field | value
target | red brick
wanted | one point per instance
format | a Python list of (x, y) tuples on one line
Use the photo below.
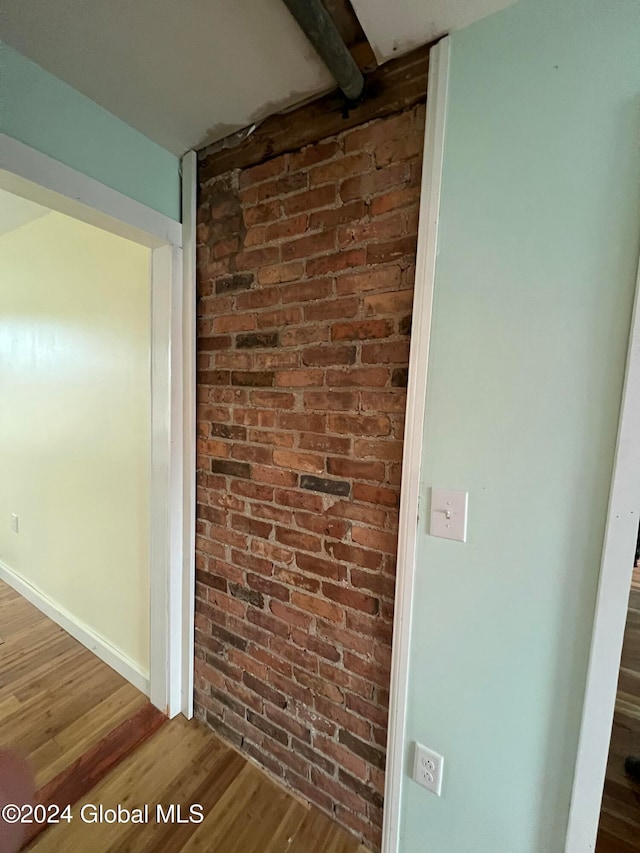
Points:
[(409, 146), (324, 568), (310, 200), (332, 217), (359, 424), (375, 494), (252, 299), (272, 399), (391, 250), (299, 378), (381, 585), (297, 539), (307, 291), (273, 360), (343, 756), (276, 319), (279, 439), (275, 476), (296, 579), (291, 227), (256, 258), (235, 323), (266, 212), (389, 451), (375, 377), (304, 247), (272, 552), (383, 401), (340, 260), (321, 524), (290, 615), (353, 469), (393, 200), (355, 234), (299, 500), (392, 352), (318, 606), (372, 184), (331, 309), (392, 302), (362, 330), (299, 461), (376, 133), (385, 278), (263, 171), (331, 400), (280, 273), (304, 335), (350, 598), (329, 355), (350, 554), (324, 443), (342, 167), (313, 154), (273, 513), (354, 724)]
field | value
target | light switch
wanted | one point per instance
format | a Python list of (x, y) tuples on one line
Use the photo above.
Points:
[(449, 514)]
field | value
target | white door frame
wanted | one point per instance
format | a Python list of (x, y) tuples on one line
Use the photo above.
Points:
[(397, 759), (39, 178), (611, 610)]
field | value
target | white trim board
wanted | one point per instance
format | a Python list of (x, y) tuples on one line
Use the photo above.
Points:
[(189, 221), (439, 58), (611, 610), (37, 177), (112, 656), (31, 174)]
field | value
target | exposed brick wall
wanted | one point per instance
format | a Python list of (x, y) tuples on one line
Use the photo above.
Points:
[(305, 279)]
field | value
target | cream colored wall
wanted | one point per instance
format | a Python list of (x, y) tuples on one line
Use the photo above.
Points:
[(74, 423)]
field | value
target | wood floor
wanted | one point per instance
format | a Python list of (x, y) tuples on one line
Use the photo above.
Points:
[(619, 830), (64, 709), (184, 763), (57, 700)]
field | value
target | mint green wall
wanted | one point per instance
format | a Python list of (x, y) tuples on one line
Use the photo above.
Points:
[(538, 251), (40, 110)]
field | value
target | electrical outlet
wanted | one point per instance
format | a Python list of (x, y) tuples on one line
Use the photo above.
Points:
[(15, 523), (428, 767)]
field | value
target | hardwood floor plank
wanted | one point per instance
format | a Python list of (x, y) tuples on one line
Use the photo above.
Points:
[(619, 829), (185, 764), (83, 727)]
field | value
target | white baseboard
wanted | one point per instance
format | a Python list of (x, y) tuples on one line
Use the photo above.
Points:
[(114, 658)]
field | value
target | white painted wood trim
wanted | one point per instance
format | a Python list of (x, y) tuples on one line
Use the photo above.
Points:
[(166, 480), (611, 611), (112, 656), (412, 452), (189, 217), (29, 173)]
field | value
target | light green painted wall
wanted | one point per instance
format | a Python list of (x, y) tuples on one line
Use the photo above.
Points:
[(43, 112), (537, 260)]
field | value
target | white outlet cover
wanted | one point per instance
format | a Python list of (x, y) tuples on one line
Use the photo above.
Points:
[(428, 768), (15, 523), (448, 517)]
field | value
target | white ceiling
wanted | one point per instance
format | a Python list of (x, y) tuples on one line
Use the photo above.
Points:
[(16, 212), (188, 72)]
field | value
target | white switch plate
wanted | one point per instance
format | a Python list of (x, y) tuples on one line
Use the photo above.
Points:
[(15, 523), (449, 514), (428, 768)]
